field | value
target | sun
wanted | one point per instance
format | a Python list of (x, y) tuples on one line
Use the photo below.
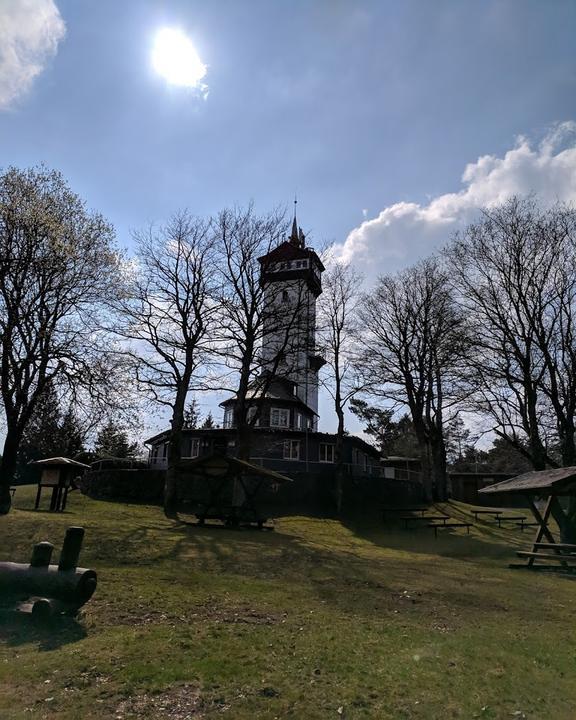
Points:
[(175, 58)]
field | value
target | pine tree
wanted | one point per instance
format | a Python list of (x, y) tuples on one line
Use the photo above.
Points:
[(50, 433), (191, 415), (208, 421), (113, 442)]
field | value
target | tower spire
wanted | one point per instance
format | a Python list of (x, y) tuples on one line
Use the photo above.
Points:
[(294, 236)]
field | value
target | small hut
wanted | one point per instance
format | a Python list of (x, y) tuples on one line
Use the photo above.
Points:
[(57, 473)]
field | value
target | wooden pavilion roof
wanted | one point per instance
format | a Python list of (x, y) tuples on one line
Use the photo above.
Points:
[(58, 461), (225, 464), (557, 481)]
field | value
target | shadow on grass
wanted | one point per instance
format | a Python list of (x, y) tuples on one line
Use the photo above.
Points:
[(21, 629)]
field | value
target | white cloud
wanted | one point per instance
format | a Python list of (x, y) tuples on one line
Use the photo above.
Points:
[(30, 31), (406, 231)]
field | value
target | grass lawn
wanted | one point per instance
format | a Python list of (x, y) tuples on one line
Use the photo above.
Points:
[(319, 619)]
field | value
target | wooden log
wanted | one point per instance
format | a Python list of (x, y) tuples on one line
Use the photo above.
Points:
[(75, 587)]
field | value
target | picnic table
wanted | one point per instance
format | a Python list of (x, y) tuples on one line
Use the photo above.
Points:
[(546, 552), (486, 512), (406, 519), (407, 509), (439, 526), (515, 518), (227, 489)]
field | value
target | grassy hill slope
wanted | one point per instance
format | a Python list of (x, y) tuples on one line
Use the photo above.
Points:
[(318, 619)]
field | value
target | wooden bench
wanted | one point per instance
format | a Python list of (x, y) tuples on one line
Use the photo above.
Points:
[(524, 524), (567, 547), (409, 518), (487, 512), (438, 526), (500, 518), (546, 556)]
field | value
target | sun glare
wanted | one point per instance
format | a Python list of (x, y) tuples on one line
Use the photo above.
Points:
[(175, 58)]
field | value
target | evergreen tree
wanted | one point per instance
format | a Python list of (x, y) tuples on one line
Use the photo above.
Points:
[(209, 421), (392, 437), (191, 415), (50, 433), (112, 441)]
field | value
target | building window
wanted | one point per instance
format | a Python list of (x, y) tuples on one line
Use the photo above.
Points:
[(299, 422), (291, 449), (229, 417), (279, 417), (250, 417), (326, 453), (284, 295), (190, 447)]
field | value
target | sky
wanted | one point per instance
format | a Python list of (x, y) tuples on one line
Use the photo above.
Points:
[(393, 121)]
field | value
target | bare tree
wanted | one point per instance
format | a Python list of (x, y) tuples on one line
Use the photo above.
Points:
[(58, 266), (168, 315), (338, 331), (515, 278), (414, 344), (252, 310)]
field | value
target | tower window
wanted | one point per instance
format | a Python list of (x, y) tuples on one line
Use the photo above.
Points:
[(279, 417)]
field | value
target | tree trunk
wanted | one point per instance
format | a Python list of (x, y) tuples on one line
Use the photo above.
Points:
[(426, 469), (175, 453), (438, 469), (339, 460), (244, 438), (8, 470)]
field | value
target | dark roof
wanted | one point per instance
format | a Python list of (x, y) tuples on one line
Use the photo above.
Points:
[(554, 481), (289, 432), (226, 463), (289, 251)]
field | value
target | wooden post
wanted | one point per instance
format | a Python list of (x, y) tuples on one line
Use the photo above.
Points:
[(41, 554), (71, 548)]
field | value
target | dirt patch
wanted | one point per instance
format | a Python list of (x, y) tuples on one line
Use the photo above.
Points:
[(211, 610), (178, 703)]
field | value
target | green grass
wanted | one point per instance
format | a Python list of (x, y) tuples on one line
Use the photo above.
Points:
[(318, 619)]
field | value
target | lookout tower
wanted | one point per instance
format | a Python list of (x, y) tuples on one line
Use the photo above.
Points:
[(291, 277)]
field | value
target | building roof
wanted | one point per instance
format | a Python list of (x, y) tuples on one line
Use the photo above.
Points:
[(289, 251), (58, 461), (555, 481), (290, 433)]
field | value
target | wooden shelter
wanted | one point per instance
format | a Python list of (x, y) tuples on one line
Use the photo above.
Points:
[(221, 487), (551, 485), (58, 473)]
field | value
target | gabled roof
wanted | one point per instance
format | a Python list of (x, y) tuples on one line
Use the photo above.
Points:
[(555, 481), (58, 461)]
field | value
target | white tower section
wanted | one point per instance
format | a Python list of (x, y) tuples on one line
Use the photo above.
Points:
[(291, 275)]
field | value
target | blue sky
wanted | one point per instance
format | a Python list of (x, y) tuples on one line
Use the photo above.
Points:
[(370, 111)]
